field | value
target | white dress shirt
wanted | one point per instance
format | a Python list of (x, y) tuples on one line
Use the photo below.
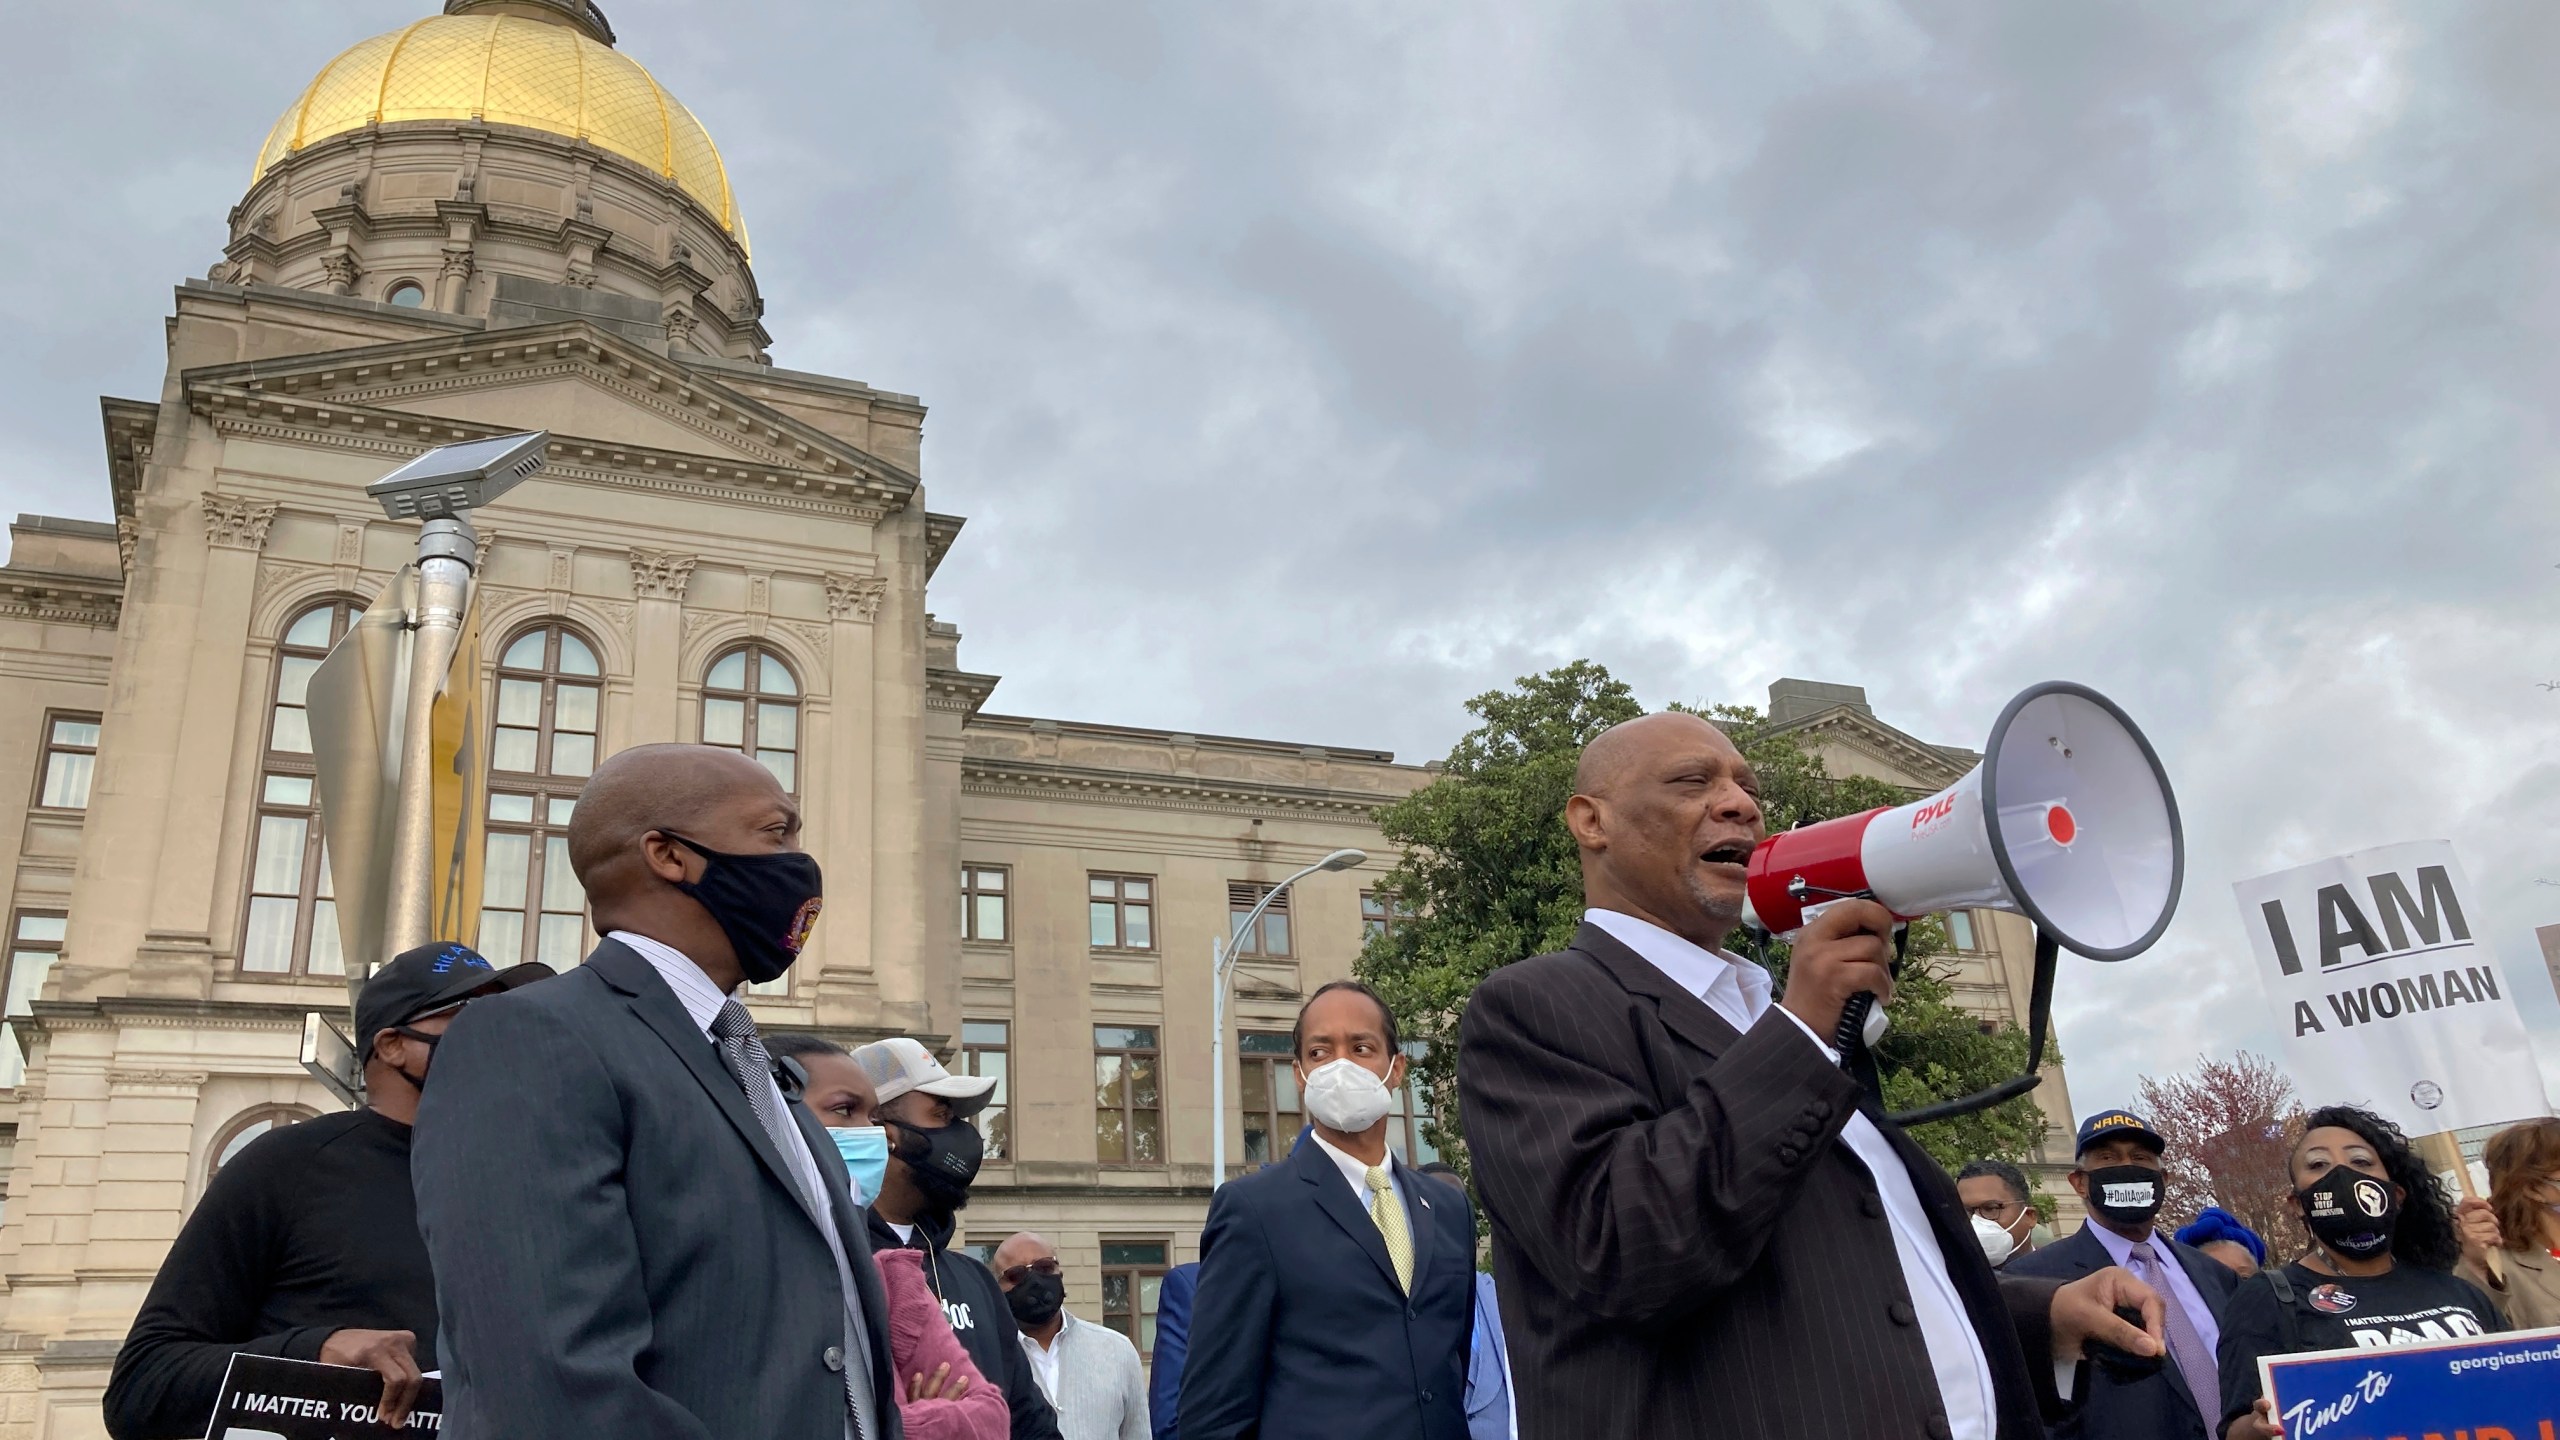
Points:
[(1356, 1170), (702, 1001), (1740, 992), (1044, 1363)]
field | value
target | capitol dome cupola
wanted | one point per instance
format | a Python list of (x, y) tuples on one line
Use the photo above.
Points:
[(503, 160)]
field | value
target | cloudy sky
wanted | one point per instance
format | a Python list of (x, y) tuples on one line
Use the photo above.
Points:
[(1305, 368)]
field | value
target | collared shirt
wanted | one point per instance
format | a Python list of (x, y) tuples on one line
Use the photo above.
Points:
[(1741, 992), (2177, 1286), (702, 1001), (1356, 1171), (1044, 1361)]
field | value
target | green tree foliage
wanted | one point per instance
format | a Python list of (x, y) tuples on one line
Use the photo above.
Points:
[(1491, 875)]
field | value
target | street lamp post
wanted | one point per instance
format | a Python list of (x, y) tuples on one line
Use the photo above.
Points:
[(1222, 964)]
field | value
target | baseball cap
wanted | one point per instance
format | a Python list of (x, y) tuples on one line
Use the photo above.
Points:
[(898, 1064), (2108, 1124), (429, 978)]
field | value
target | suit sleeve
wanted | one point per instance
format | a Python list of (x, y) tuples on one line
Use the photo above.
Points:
[(203, 1309), (2029, 1301), (1231, 1311), (1173, 1338), (1632, 1212), (521, 1143)]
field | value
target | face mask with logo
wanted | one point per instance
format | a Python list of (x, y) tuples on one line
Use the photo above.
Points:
[(1347, 1097), (942, 1161), (2125, 1194), (765, 904), (865, 1149), (1037, 1298), (1997, 1243), (2352, 1214)]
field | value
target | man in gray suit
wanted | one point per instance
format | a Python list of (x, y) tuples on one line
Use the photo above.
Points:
[(632, 1230)]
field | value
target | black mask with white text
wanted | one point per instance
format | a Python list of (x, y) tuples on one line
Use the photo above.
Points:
[(941, 1161), (2126, 1194), (2353, 1214), (765, 904)]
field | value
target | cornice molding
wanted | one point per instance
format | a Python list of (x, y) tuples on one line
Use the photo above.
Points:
[(1847, 726), (957, 692), (1019, 780), (63, 599)]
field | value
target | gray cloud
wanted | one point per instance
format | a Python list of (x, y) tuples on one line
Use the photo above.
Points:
[(1305, 368)]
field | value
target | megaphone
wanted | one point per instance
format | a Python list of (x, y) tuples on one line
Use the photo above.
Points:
[(2068, 820)]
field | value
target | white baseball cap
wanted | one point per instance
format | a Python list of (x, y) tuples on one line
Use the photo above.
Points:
[(898, 1064)]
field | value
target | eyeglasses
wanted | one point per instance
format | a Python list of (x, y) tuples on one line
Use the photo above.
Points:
[(1994, 1209), (1019, 1273)]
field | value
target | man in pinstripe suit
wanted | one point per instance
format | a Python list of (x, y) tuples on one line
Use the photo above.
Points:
[(1701, 1223)]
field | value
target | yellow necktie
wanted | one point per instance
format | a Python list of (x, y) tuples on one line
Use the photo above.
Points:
[(1384, 1209)]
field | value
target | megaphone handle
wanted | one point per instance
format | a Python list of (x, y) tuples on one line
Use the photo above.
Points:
[(1849, 1037)]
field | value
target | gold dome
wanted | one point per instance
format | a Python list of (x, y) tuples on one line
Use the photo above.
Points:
[(510, 70)]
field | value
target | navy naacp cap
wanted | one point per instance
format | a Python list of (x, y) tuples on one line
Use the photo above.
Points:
[(2113, 1124), (429, 978)]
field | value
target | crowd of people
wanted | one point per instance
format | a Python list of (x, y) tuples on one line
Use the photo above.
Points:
[(602, 1203)]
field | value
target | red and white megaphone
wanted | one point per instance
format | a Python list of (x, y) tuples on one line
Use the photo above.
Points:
[(2068, 821)]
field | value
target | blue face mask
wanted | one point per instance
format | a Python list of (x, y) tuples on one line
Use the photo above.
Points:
[(866, 1158)]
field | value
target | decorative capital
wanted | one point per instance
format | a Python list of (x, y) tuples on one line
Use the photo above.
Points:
[(237, 522), (660, 574), (855, 596)]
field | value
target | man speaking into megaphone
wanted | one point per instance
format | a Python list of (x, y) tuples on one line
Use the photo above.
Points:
[(1701, 1223)]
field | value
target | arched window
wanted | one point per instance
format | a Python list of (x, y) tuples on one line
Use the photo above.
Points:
[(408, 294), (245, 1128), (751, 704), (291, 926), (550, 693)]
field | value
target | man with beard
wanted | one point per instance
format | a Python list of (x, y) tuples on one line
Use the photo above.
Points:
[(934, 1151)]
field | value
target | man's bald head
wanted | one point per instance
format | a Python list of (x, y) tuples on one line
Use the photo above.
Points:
[(1021, 1249), (656, 787), (1665, 809)]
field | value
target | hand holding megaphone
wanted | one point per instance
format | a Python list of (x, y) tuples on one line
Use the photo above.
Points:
[(1845, 949)]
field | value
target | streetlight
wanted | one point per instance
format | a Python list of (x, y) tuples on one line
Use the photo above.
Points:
[(1222, 964)]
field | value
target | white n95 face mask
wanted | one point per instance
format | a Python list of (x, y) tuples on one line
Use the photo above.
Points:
[(1347, 1096), (1997, 1243)]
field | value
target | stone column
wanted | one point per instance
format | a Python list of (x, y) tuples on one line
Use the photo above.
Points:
[(658, 579), (848, 990), (899, 882)]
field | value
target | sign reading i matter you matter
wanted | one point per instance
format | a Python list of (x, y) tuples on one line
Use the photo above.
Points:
[(265, 1397), (2369, 964)]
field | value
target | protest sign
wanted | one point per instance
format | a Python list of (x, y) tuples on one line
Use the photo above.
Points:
[(2383, 998), (265, 1397), (2488, 1387)]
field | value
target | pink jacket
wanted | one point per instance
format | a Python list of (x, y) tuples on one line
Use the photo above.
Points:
[(920, 1340)]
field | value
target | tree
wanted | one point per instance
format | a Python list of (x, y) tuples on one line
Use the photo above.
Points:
[(2230, 1127), (1491, 875)]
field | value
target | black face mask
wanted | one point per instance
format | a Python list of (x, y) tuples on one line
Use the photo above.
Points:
[(1037, 1300), (2352, 1213), (942, 1162), (765, 904), (2126, 1194), (416, 1082)]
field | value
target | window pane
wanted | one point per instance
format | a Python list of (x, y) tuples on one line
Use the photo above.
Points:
[(501, 936), (1105, 917), (729, 672), (1141, 933), (1256, 1089), (1371, 906), (573, 754), (502, 883), (1110, 1138), (27, 972), (312, 630), (1125, 1252), (1284, 1085), (1263, 1044), (558, 943), (513, 750), (982, 1032), (1257, 1140), (997, 1127), (1275, 933), (328, 957), (1115, 1289), (774, 678), (778, 726), (288, 790), (279, 867), (520, 702), (1106, 1081), (517, 808), (1124, 1037), (990, 917), (1146, 1138), (785, 767), (1960, 929), (328, 882), (268, 947), (573, 707), (76, 732), (559, 811), (43, 927), (1102, 887), (724, 722), (293, 731), (991, 880), (992, 1064), (526, 653), (1142, 1081), (66, 780), (575, 657), (293, 679), (560, 883)]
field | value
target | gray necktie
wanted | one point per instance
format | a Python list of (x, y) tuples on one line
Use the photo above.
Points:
[(743, 1051), (2186, 1344)]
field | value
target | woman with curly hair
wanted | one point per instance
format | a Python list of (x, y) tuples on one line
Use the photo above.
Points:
[(2524, 1190), (2385, 1241)]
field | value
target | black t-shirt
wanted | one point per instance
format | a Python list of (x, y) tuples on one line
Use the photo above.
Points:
[(310, 1229), (2402, 1306)]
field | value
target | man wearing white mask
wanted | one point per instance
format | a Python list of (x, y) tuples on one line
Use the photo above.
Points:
[(1337, 1287), (1995, 1194)]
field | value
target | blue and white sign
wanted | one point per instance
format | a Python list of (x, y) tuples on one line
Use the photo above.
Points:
[(2489, 1387)]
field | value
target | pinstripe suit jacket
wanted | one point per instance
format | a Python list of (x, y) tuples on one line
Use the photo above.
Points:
[(1682, 1243)]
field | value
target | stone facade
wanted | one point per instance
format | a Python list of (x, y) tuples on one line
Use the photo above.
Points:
[(719, 549)]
